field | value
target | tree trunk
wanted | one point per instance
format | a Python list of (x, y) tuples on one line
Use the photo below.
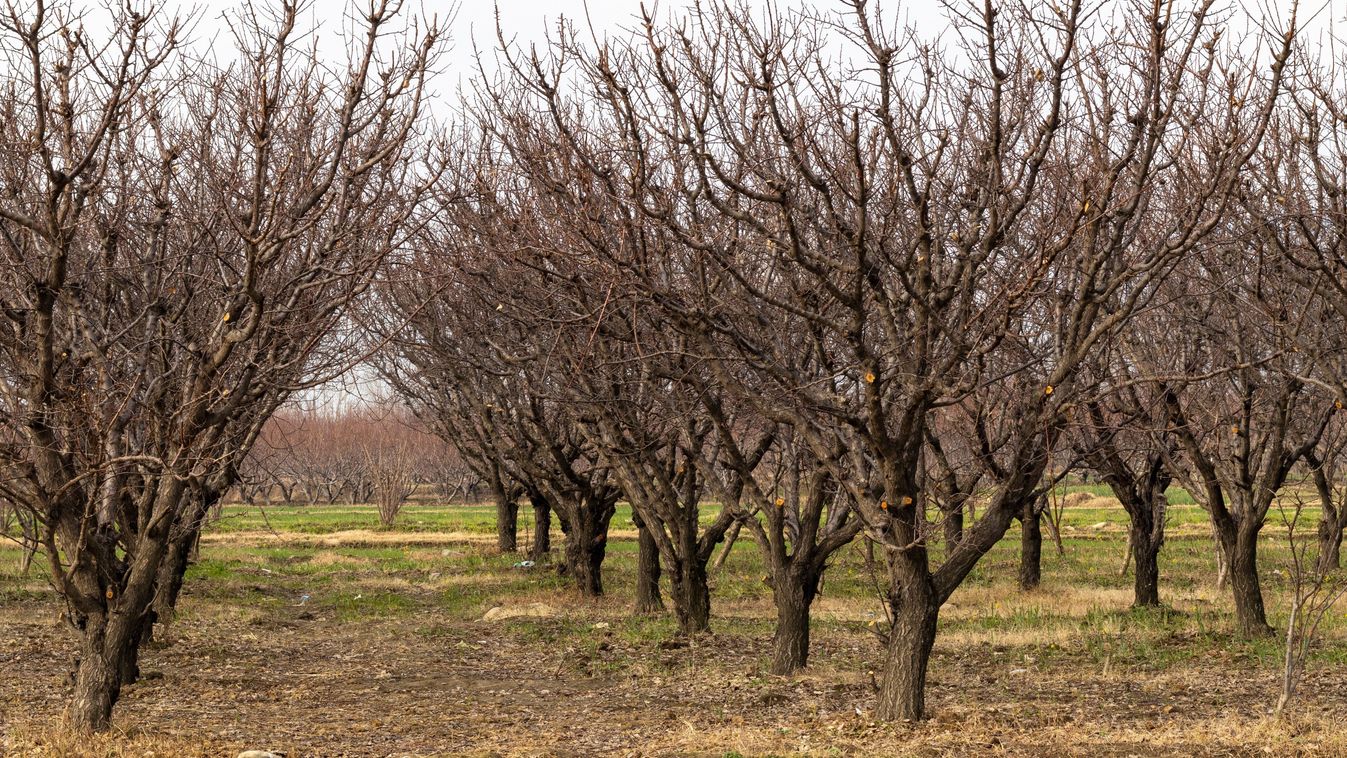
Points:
[(507, 523), (106, 645), (129, 663), (1146, 555), (586, 567), (953, 526), (692, 596), (586, 545), (171, 575), (1330, 544), (1031, 547), (648, 598), (542, 529), (1222, 561), (790, 643), (183, 548), (1241, 548), (902, 695)]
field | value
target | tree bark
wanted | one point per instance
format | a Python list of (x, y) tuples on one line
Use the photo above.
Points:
[(97, 678), (507, 512), (507, 524), (902, 696), (586, 545), (790, 643), (171, 576), (1031, 546), (953, 526), (542, 529), (648, 598), (1240, 543), (692, 596), (1330, 546), (586, 566), (1146, 555)]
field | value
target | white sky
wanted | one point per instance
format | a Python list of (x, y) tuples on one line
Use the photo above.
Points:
[(527, 21)]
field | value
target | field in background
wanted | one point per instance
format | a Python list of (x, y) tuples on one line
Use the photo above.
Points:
[(313, 630)]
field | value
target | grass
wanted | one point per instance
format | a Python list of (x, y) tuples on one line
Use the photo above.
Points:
[(289, 594)]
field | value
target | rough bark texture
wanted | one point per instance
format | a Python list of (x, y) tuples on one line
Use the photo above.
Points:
[(692, 596), (1241, 549), (586, 530), (542, 529), (648, 598), (790, 643), (1031, 547), (1146, 556), (97, 677), (507, 524), (915, 612), (171, 576)]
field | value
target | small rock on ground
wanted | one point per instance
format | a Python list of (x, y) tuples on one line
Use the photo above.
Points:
[(531, 610)]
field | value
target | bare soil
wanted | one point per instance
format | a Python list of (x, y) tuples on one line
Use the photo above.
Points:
[(224, 679)]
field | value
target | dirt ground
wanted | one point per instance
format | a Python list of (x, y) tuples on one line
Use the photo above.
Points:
[(293, 682), (391, 657)]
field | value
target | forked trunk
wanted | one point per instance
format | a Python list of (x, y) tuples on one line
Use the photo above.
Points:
[(794, 595), (648, 598)]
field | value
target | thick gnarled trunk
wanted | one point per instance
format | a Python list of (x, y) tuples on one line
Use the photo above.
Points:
[(691, 595), (586, 529), (1239, 542), (916, 611), (98, 675), (794, 595)]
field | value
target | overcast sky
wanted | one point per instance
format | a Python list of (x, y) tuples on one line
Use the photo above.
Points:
[(526, 21)]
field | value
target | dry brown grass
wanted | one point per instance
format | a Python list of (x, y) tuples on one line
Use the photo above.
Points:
[(1012, 673)]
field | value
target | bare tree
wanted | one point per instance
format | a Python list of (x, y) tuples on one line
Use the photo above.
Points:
[(1243, 418), (473, 371), (182, 241), (1315, 590), (1121, 435), (845, 255)]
